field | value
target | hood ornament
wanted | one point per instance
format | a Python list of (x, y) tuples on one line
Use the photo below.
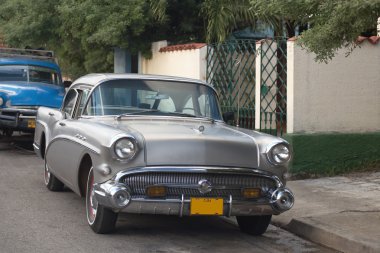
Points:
[(204, 186), (199, 130)]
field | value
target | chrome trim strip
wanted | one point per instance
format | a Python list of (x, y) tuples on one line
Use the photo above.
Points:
[(199, 169), (182, 204), (27, 117), (230, 207), (74, 140), (36, 146), (20, 110)]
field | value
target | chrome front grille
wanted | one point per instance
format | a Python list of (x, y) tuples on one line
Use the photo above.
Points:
[(186, 183)]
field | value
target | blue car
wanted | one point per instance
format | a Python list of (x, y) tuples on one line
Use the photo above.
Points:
[(28, 79)]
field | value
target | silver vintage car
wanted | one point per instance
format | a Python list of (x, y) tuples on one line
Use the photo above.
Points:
[(159, 145)]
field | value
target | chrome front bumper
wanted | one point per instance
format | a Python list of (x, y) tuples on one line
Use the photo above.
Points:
[(17, 119), (278, 201)]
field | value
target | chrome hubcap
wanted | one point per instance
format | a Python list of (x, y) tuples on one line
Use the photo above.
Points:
[(91, 202)]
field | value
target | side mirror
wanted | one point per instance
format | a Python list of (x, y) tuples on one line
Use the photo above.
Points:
[(228, 116), (67, 84)]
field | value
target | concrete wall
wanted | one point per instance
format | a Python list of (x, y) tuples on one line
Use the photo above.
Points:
[(183, 63), (341, 96)]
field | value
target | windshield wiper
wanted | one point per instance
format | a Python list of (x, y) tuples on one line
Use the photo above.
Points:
[(134, 113), (182, 114)]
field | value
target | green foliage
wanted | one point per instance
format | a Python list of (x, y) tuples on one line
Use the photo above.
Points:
[(84, 33), (337, 24), (331, 154), (225, 16), (332, 23)]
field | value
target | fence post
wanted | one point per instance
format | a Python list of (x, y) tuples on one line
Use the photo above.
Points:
[(258, 86), (290, 86)]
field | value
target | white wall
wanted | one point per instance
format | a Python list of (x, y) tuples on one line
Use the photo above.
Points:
[(184, 63), (341, 96)]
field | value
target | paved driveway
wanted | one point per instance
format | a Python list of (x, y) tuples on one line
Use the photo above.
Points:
[(34, 219)]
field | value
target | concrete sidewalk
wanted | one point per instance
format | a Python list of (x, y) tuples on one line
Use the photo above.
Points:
[(342, 213)]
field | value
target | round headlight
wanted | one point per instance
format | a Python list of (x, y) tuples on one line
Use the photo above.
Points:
[(1, 101), (125, 148), (279, 154)]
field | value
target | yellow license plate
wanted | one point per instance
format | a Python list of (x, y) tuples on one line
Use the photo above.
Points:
[(31, 123), (206, 206)]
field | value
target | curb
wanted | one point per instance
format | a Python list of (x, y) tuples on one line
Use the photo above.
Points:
[(320, 233)]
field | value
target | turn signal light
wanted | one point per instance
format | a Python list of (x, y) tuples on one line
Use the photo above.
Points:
[(155, 191), (251, 193)]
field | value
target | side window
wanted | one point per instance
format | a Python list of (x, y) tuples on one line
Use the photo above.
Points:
[(84, 95), (95, 104), (204, 105), (69, 103)]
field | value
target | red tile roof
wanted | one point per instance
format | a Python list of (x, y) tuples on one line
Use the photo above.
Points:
[(373, 39), (182, 47)]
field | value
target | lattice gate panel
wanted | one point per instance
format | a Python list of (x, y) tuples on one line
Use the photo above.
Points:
[(273, 86), (231, 69)]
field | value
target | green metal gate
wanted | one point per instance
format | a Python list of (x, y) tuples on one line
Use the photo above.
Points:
[(273, 86), (231, 69), (234, 66)]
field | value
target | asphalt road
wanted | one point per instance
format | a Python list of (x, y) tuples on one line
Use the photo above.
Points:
[(33, 219)]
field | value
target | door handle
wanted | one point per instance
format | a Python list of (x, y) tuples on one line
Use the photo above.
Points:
[(62, 124), (51, 114)]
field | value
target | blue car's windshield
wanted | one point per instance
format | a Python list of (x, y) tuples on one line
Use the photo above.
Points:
[(154, 97), (28, 74)]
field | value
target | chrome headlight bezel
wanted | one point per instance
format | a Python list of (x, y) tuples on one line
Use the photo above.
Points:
[(125, 142), (274, 154)]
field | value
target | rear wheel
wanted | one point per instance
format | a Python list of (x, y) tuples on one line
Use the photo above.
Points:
[(101, 219), (51, 182), (254, 225)]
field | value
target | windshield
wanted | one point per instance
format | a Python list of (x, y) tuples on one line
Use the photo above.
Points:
[(152, 97), (29, 74)]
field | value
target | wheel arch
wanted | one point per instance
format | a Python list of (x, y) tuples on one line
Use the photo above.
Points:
[(42, 145), (84, 168)]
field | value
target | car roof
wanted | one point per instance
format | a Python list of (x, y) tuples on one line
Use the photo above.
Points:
[(28, 61), (97, 78)]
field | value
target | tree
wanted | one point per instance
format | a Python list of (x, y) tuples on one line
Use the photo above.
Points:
[(336, 24), (332, 23), (84, 33)]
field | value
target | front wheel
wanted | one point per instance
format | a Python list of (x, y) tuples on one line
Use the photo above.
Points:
[(254, 225), (101, 219), (51, 182)]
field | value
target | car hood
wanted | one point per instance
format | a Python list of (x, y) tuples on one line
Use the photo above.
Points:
[(32, 94), (182, 142)]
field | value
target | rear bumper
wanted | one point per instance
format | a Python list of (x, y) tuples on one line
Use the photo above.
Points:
[(275, 202), (18, 119)]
